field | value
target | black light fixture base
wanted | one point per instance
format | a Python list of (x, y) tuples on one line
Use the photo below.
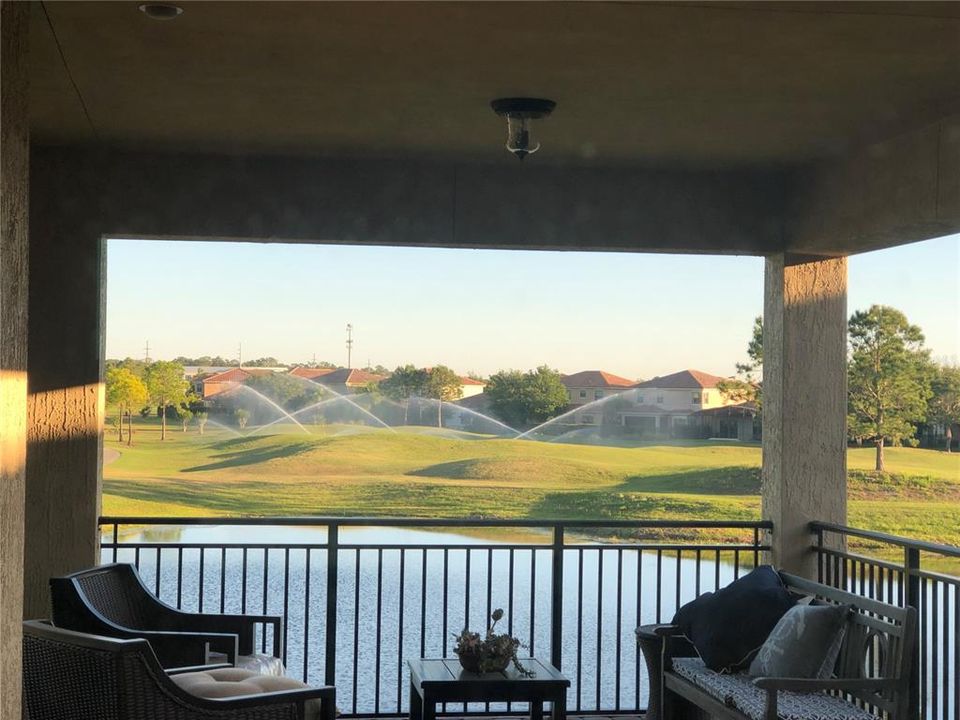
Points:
[(521, 107)]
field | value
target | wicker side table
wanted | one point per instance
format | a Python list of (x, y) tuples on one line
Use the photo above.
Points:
[(651, 645)]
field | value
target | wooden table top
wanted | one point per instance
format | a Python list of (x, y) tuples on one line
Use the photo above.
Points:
[(441, 671)]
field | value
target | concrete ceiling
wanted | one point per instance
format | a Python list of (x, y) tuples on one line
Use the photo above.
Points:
[(719, 85)]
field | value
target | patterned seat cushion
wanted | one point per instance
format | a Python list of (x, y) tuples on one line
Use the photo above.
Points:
[(236, 682), (256, 663), (738, 691)]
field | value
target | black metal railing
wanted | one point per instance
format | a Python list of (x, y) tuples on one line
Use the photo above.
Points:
[(901, 571), (360, 596)]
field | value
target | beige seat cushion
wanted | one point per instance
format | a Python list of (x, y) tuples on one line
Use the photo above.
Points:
[(258, 663), (236, 682)]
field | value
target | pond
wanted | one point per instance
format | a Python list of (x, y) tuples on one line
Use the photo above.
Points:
[(402, 593)]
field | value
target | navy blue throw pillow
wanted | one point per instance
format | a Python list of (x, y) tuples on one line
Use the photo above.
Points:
[(729, 626)]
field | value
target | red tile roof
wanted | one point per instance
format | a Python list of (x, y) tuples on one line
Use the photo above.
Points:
[(683, 380), (310, 373), (232, 375), (471, 381), (349, 377), (596, 379)]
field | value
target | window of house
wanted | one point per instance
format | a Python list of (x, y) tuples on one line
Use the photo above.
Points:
[(696, 399), (706, 397), (639, 399), (587, 419), (597, 394), (659, 399), (679, 421), (583, 393)]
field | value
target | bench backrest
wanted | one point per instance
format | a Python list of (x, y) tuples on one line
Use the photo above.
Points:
[(879, 643)]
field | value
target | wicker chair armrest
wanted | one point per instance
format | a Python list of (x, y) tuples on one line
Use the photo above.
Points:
[(181, 649), (816, 684), (196, 668), (241, 625)]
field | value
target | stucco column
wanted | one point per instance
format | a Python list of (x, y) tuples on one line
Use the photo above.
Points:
[(804, 402), (14, 189), (65, 404)]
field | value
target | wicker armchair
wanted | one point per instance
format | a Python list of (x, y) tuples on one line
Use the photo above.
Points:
[(76, 676), (112, 600)]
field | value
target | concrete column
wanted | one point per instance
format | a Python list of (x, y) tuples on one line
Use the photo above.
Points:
[(14, 192), (65, 394), (804, 402)]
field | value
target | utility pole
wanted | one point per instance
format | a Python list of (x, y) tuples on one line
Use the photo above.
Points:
[(146, 353), (349, 345), (239, 354)]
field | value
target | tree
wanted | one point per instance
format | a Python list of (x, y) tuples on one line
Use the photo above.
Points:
[(186, 415), (242, 415), (406, 381), (290, 392), (167, 387), (944, 406), (887, 381), (521, 398), (444, 385), (202, 417), (746, 386), (125, 391)]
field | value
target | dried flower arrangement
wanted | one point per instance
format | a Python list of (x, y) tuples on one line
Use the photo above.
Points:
[(492, 653)]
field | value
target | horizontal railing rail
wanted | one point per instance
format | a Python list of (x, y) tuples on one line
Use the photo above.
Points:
[(898, 577), (371, 593)]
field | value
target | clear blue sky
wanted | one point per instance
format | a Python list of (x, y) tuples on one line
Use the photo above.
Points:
[(636, 315)]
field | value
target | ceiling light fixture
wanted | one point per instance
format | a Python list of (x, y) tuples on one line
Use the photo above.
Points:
[(519, 113), (157, 11)]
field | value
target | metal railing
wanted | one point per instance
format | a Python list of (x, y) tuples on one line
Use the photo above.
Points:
[(360, 596), (900, 571)]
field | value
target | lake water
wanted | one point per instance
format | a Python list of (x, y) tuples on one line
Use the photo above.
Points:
[(403, 593)]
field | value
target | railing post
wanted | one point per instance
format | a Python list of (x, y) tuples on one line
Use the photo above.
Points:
[(556, 598), (333, 574), (911, 567)]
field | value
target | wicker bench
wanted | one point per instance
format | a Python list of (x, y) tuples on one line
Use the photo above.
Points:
[(872, 674)]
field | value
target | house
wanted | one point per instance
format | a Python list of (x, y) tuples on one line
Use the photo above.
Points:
[(310, 373), (589, 386), (470, 387), (211, 385), (344, 380), (675, 404)]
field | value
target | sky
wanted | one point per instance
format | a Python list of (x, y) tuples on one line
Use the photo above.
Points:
[(635, 315)]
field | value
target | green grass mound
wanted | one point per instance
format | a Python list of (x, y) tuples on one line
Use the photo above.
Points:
[(516, 470)]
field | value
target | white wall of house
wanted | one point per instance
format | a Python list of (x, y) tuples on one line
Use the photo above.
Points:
[(584, 395), (470, 390), (680, 399)]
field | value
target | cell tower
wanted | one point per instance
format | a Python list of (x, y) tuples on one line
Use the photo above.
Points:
[(349, 346)]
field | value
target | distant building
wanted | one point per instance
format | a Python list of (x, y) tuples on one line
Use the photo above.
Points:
[(344, 380), (590, 385), (470, 387), (213, 384), (309, 373), (686, 403)]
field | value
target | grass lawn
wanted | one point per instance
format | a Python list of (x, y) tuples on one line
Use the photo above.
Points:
[(349, 470)]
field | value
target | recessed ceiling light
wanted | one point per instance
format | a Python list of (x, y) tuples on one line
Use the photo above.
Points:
[(159, 11)]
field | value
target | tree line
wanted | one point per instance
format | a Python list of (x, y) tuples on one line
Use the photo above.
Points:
[(894, 388)]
